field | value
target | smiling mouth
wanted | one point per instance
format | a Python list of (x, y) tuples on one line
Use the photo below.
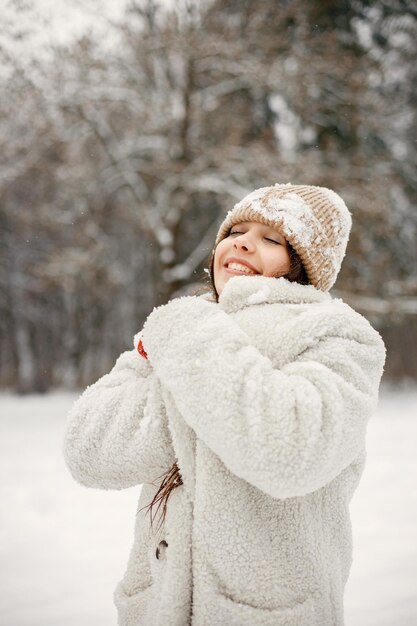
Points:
[(237, 267)]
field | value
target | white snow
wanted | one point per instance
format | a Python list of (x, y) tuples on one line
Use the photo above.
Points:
[(63, 547), (31, 27), (287, 125)]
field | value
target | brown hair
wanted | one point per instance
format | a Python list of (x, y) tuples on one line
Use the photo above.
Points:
[(172, 478)]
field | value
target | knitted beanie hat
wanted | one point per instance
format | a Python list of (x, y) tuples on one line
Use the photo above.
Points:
[(314, 220)]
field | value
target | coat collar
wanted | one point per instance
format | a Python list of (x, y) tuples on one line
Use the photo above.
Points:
[(243, 291)]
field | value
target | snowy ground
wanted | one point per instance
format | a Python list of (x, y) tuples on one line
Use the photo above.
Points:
[(63, 547)]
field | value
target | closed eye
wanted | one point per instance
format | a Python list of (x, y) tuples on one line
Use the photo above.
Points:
[(273, 241)]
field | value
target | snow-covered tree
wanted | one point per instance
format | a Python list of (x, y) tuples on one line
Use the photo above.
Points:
[(118, 163)]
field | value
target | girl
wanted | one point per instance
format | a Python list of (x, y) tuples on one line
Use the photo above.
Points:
[(243, 414)]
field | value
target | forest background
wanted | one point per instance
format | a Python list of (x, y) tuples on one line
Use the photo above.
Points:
[(119, 156)]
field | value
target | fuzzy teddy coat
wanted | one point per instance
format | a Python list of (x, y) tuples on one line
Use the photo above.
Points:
[(262, 399)]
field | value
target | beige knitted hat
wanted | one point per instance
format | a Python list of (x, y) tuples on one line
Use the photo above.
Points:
[(314, 220)]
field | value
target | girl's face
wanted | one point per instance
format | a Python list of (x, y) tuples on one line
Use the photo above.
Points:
[(250, 249)]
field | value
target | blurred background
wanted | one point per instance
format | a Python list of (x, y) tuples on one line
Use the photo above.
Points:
[(124, 142), (127, 130)]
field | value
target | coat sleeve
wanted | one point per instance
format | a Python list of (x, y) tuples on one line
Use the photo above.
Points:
[(117, 434), (286, 431)]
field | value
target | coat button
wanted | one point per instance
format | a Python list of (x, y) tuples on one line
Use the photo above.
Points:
[(160, 551)]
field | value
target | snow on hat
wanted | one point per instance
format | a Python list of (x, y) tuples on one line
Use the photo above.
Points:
[(314, 220)]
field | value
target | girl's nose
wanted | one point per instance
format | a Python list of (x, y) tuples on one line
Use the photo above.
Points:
[(243, 242)]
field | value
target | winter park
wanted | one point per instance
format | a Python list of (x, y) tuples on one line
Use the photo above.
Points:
[(64, 547), (208, 313)]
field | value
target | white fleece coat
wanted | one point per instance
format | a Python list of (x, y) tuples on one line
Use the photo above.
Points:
[(263, 400)]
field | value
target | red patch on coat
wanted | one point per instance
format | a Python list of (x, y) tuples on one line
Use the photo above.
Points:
[(141, 349)]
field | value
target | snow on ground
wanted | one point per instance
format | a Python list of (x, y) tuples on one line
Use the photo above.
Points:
[(63, 547)]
